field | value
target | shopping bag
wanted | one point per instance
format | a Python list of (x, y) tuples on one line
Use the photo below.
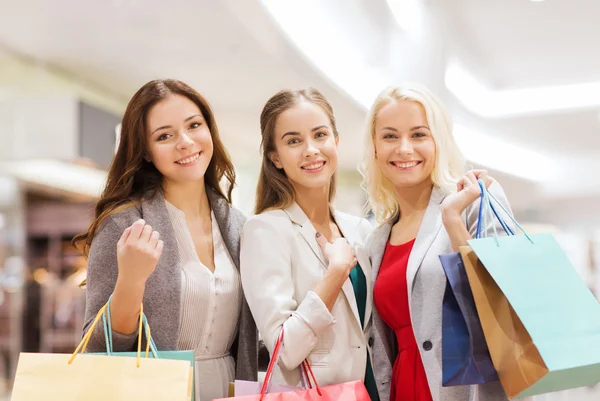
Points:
[(183, 355), (465, 356), (87, 377), (540, 320), (246, 387), (350, 391)]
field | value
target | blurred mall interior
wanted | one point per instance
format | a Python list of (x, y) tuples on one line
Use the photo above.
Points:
[(521, 78)]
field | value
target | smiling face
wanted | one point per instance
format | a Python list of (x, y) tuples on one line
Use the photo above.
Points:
[(179, 141), (305, 146), (404, 146)]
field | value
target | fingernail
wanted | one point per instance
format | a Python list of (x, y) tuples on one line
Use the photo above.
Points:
[(318, 234)]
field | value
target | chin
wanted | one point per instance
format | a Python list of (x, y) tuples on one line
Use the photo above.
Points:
[(314, 184), (406, 183), (189, 176)]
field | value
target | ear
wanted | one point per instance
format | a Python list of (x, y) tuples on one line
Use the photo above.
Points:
[(274, 157), (337, 139), (147, 158)]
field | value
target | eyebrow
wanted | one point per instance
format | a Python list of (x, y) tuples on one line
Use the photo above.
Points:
[(412, 129), (293, 133), (170, 126)]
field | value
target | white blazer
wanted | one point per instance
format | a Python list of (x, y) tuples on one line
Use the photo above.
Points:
[(281, 263)]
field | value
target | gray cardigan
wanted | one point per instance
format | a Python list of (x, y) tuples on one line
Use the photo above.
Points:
[(426, 282), (162, 296)]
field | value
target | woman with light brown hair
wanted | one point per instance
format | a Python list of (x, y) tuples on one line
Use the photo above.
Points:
[(304, 268), (165, 233)]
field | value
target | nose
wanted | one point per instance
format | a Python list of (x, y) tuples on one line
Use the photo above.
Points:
[(310, 150), (405, 147), (185, 141)]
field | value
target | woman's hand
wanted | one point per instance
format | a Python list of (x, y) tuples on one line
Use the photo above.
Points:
[(338, 254), (467, 192), (340, 259), (138, 252)]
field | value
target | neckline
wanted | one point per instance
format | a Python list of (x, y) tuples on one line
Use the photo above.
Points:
[(181, 214), (405, 244)]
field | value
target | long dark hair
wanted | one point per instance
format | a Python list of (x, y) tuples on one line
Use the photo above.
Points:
[(274, 189), (131, 177)]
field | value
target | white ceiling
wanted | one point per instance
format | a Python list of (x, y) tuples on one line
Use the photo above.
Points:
[(521, 43), (237, 56), (228, 50)]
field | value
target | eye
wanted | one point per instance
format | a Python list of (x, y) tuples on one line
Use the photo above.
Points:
[(195, 125), (293, 141), (389, 135), (321, 134), (419, 135), (163, 137)]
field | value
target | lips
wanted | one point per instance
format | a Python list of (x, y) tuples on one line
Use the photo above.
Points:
[(313, 166), (188, 159), (406, 164)]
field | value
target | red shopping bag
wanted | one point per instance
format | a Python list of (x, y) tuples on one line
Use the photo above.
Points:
[(350, 391)]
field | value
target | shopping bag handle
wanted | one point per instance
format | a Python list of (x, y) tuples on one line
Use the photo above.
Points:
[(108, 336), (486, 203), (86, 339), (481, 216), (305, 370)]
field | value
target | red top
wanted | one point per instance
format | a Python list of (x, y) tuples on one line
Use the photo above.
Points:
[(409, 382)]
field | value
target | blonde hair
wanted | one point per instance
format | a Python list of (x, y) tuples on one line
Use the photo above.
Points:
[(274, 189), (449, 162)]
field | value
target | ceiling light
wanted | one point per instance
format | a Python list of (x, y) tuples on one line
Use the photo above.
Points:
[(338, 59), (345, 67), (490, 103), (502, 156)]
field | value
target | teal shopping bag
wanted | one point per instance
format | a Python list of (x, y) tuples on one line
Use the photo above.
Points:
[(185, 355), (553, 317)]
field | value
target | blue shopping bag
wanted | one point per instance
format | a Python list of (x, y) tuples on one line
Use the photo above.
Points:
[(541, 321), (465, 356)]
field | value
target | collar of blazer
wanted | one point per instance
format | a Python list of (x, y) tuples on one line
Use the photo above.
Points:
[(346, 225), (428, 231), (348, 228)]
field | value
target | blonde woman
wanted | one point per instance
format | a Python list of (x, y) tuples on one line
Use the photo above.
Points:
[(304, 267), (426, 206)]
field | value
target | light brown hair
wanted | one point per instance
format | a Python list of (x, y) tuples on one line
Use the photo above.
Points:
[(131, 177), (274, 190)]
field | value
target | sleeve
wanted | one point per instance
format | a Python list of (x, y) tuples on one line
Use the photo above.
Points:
[(102, 272), (266, 270), (473, 214)]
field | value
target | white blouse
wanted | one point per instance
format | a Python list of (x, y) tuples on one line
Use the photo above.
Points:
[(211, 304)]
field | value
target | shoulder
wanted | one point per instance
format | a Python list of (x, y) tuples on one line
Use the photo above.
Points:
[(119, 220), (237, 215), (361, 225), (276, 218), (272, 229), (110, 231), (379, 234)]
